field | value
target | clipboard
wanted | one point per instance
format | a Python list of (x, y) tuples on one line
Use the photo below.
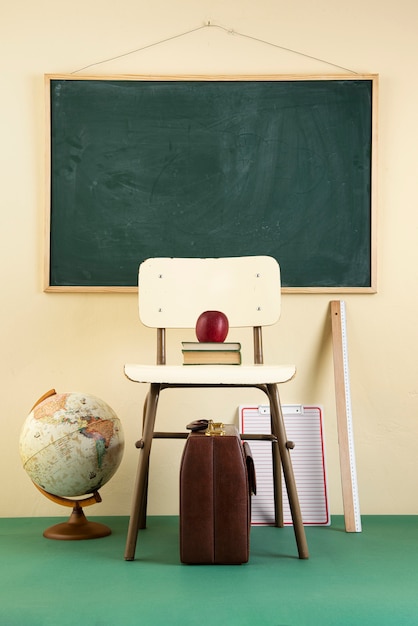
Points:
[(304, 426)]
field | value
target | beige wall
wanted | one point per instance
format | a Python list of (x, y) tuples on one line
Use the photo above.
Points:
[(81, 341)]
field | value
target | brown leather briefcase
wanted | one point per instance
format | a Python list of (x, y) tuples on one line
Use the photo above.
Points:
[(215, 492)]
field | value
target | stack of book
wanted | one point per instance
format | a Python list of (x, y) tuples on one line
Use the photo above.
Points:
[(201, 353)]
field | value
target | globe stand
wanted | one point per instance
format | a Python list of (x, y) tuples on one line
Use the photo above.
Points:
[(78, 526)]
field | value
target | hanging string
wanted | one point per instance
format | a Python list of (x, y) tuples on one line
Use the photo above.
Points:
[(230, 31), (151, 45), (275, 45)]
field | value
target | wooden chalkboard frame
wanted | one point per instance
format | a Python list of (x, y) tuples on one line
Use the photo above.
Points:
[(371, 287)]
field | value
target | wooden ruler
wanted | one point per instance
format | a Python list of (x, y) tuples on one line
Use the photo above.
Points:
[(344, 418)]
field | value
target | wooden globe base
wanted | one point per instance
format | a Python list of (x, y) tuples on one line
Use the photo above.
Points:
[(78, 527)]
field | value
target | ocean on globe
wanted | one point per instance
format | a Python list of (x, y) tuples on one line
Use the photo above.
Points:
[(71, 444)]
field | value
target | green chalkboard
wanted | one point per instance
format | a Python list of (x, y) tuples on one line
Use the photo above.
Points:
[(213, 167)]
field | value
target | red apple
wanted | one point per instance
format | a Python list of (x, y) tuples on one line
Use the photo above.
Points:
[(212, 326)]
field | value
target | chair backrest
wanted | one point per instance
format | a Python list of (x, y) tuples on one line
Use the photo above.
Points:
[(173, 292)]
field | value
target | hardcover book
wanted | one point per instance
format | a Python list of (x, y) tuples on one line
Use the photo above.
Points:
[(202, 353)]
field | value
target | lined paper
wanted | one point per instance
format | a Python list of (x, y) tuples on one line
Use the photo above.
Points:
[(304, 427)]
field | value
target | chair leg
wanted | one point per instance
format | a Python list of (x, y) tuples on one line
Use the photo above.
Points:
[(144, 501), (280, 432), (277, 484), (139, 496), (143, 508)]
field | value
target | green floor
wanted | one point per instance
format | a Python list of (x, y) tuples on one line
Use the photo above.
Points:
[(368, 578)]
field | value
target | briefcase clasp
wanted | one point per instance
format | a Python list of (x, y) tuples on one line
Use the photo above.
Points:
[(215, 429)]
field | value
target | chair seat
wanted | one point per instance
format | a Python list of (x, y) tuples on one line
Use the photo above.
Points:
[(210, 374)]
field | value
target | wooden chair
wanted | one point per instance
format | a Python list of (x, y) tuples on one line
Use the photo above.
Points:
[(173, 292)]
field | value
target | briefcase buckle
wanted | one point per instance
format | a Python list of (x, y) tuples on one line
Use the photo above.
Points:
[(215, 429)]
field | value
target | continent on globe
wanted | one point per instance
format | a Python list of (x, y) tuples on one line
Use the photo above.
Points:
[(102, 432)]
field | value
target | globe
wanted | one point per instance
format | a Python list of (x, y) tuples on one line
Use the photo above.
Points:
[(71, 444)]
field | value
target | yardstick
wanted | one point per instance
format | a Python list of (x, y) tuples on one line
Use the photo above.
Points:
[(344, 418)]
